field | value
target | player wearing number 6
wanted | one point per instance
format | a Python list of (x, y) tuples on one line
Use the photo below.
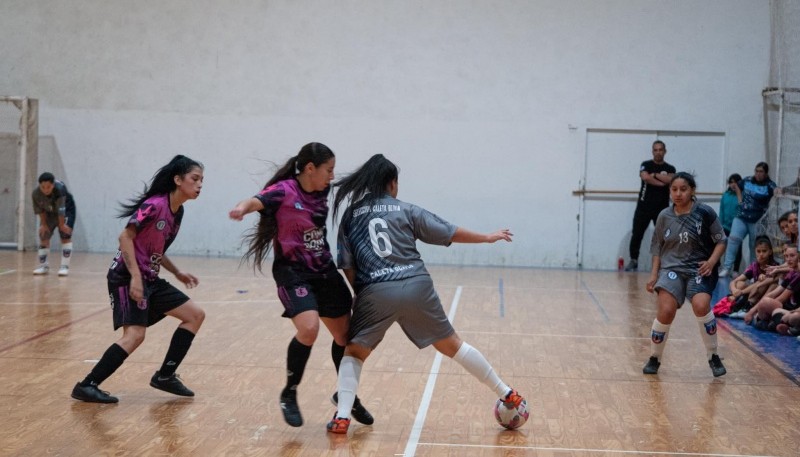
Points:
[(377, 251)]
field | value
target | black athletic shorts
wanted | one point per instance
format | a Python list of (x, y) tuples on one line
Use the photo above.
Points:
[(328, 295), (159, 298)]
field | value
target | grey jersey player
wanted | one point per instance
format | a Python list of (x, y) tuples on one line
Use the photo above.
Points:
[(56, 209), (377, 251), (687, 244)]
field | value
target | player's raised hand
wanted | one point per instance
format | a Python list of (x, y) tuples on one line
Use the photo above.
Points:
[(502, 234)]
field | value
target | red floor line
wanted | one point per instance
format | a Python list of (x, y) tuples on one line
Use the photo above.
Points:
[(52, 330)]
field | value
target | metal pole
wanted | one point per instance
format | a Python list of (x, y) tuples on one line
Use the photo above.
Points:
[(779, 151), (23, 176)]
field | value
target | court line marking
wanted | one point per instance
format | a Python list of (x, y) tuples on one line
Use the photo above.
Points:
[(419, 421), (613, 451), (7, 272), (52, 330), (559, 335)]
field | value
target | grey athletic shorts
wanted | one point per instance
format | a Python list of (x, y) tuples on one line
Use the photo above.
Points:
[(412, 303), (683, 286)]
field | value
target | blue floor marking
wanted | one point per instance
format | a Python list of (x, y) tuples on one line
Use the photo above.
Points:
[(785, 349), (596, 301)]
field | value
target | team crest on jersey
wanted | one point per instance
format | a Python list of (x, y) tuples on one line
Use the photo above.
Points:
[(666, 234), (699, 226), (161, 224), (301, 291), (657, 337), (297, 205), (717, 237), (672, 275)]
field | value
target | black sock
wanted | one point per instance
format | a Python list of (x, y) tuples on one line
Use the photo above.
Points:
[(108, 364), (337, 352), (178, 347), (296, 358)]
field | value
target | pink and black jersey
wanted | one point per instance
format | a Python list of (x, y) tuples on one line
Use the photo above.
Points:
[(754, 270), (300, 244), (792, 282), (156, 228)]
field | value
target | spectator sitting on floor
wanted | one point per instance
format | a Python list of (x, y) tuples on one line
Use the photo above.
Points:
[(749, 287), (785, 296)]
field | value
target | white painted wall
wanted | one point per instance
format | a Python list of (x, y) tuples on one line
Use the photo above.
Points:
[(473, 100)]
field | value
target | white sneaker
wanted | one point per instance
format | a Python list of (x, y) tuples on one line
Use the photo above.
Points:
[(42, 270), (724, 273), (63, 271), (738, 314)]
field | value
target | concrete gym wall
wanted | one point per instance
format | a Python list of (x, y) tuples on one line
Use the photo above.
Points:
[(484, 105)]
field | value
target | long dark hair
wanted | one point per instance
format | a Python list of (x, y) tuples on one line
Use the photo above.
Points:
[(371, 179), (259, 239), (163, 182)]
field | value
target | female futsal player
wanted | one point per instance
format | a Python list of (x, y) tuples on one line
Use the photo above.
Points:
[(140, 298), (293, 208), (378, 253), (688, 242)]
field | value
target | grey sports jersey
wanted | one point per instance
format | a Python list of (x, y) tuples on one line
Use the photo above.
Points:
[(378, 237), (684, 241), (57, 203)]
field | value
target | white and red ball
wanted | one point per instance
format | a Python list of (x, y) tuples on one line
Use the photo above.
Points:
[(511, 418)]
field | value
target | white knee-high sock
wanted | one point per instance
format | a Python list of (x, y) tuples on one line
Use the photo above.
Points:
[(43, 255), (658, 338), (66, 253), (349, 375), (477, 365), (708, 331)]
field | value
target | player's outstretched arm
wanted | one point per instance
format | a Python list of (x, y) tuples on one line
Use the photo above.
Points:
[(463, 235), (245, 207)]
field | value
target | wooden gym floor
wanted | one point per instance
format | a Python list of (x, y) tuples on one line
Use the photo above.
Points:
[(572, 342)]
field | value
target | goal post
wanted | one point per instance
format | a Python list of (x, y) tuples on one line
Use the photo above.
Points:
[(19, 156)]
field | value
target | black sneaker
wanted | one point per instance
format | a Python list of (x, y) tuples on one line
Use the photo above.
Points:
[(291, 412), (716, 366), (633, 265), (171, 384), (359, 412), (92, 394), (652, 366)]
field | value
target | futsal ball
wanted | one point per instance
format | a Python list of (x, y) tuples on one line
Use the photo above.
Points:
[(511, 418)]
